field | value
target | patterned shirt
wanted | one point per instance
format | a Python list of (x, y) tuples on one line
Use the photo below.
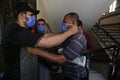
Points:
[(76, 47)]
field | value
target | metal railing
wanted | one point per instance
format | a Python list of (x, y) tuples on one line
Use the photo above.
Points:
[(111, 49)]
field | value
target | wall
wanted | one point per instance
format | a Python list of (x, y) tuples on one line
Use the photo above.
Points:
[(41, 7), (88, 10)]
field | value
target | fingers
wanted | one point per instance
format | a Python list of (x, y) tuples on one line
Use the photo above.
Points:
[(74, 22), (74, 28)]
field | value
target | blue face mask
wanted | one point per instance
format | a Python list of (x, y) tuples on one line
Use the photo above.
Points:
[(64, 27), (31, 22), (41, 28)]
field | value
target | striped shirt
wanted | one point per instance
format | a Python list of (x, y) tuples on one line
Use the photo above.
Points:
[(75, 48)]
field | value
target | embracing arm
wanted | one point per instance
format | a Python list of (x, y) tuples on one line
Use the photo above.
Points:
[(56, 39), (60, 59)]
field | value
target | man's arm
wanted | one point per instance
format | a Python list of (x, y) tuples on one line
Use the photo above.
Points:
[(56, 39), (27, 38), (60, 59)]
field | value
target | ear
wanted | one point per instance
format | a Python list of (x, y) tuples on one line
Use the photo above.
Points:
[(24, 15), (21, 16)]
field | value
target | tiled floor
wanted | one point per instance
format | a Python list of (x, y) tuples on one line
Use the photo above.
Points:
[(93, 75)]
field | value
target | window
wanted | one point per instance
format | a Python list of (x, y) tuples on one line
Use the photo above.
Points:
[(112, 6)]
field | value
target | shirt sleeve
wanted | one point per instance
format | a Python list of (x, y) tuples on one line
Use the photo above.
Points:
[(24, 37)]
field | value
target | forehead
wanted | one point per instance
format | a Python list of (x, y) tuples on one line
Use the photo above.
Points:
[(68, 19), (41, 22), (28, 12)]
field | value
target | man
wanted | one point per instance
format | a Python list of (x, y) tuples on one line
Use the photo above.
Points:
[(20, 64), (90, 41), (42, 26), (44, 65), (73, 48)]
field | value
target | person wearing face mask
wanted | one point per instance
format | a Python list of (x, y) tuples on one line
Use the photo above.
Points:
[(44, 65), (42, 26), (31, 21), (74, 49), (21, 65)]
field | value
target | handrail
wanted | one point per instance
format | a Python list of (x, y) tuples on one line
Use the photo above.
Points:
[(110, 14), (115, 47), (112, 24), (109, 35), (115, 53)]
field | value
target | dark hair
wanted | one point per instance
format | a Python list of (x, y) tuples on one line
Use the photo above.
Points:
[(41, 20), (15, 15), (24, 6), (80, 23), (72, 15)]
